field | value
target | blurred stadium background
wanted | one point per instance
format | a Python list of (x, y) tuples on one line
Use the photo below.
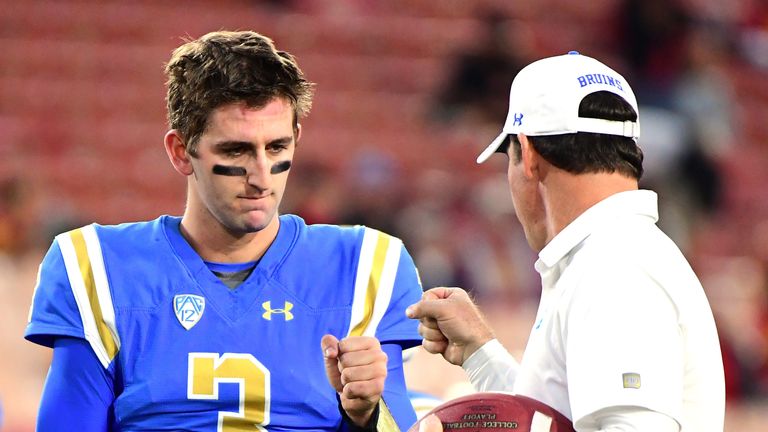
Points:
[(409, 91)]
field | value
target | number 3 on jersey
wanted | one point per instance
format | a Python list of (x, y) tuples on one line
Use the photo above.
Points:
[(208, 370)]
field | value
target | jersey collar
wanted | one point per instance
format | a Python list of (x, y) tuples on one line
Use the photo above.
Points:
[(272, 259)]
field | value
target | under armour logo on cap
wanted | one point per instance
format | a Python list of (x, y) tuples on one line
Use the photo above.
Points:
[(518, 119)]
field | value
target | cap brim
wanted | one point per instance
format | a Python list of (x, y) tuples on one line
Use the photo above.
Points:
[(491, 149)]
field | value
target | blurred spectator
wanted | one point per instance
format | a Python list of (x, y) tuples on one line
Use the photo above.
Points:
[(754, 34), (30, 218), (12, 229), (372, 178), (425, 223), (316, 194), (736, 287), (687, 105), (498, 265), (651, 34), (480, 77), (452, 227), (703, 96), (664, 139)]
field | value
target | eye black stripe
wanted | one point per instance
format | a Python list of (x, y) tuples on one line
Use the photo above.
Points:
[(280, 167), (232, 171)]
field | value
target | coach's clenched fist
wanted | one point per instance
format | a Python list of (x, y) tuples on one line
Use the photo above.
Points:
[(356, 367), (450, 323)]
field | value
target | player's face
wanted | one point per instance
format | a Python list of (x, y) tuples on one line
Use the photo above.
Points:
[(260, 142)]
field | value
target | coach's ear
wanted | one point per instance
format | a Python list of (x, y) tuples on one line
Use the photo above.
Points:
[(177, 152), (530, 158)]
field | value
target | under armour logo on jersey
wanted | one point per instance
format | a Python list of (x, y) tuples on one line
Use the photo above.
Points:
[(285, 310), (518, 119), (189, 309)]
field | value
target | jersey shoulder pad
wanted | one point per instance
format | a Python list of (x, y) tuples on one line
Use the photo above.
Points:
[(80, 270)]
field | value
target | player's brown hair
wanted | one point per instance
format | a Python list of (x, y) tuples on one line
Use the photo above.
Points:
[(224, 67), (585, 152)]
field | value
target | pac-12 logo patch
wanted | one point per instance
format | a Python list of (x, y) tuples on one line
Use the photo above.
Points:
[(189, 308)]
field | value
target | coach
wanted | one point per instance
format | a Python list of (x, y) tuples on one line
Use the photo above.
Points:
[(624, 338)]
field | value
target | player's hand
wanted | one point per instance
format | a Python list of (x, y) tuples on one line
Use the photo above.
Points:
[(356, 367), (450, 323)]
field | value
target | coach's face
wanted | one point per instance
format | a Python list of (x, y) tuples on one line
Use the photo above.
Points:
[(239, 173), (523, 178)]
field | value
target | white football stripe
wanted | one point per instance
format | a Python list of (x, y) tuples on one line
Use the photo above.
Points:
[(540, 422)]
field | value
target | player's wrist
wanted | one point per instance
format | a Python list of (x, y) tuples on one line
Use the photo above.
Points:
[(360, 421), (362, 418)]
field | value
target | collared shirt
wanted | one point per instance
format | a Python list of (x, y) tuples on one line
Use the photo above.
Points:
[(622, 321)]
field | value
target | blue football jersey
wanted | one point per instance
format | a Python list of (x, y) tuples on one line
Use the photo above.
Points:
[(188, 353)]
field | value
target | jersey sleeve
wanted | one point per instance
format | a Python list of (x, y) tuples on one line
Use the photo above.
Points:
[(407, 290), (386, 283), (395, 391), (72, 297), (54, 311), (78, 392)]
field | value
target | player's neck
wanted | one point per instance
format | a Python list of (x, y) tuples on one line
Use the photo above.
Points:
[(575, 194), (213, 242)]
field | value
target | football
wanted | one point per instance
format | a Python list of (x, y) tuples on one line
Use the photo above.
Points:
[(498, 412)]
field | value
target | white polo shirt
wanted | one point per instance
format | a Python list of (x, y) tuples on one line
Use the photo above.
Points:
[(623, 321)]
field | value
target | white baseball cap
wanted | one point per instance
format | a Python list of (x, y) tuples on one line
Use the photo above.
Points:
[(545, 96)]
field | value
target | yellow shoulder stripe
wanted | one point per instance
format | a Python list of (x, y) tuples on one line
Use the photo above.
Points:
[(376, 271), (85, 268)]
